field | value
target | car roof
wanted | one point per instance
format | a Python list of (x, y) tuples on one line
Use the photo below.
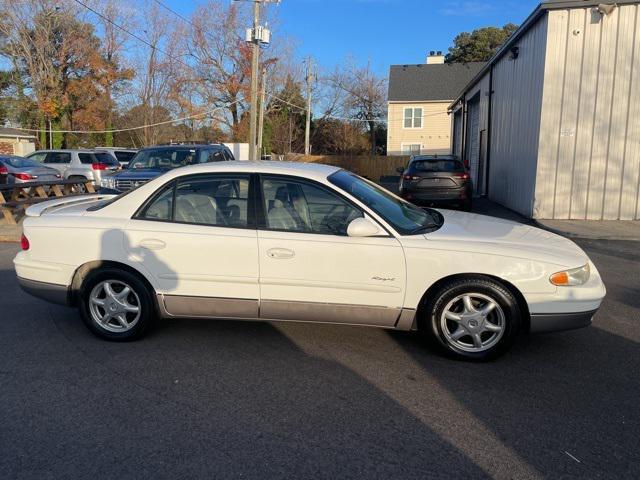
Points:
[(310, 170), (434, 157), (183, 147), (65, 150)]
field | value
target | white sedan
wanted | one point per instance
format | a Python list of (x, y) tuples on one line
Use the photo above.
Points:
[(302, 242)]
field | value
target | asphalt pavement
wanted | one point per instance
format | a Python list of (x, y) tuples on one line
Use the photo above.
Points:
[(219, 399)]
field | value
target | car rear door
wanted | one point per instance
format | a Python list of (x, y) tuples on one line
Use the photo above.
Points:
[(197, 239), (311, 270)]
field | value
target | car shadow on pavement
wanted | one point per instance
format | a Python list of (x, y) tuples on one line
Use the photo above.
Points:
[(565, 403), (197, 399)]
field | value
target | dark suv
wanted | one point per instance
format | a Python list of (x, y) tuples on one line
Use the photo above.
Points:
[(436, 180), (152, 162)]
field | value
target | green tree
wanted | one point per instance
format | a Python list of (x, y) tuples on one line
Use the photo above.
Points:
[(479, 45)]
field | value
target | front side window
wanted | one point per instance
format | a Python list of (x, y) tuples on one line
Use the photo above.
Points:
[(213, 200), (413, 117), (297, 206), (37, 157), (406, 218), (208, 156), (58, 157)]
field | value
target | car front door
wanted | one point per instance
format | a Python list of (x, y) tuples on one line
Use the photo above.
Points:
[(58, 160), (310, 269), (197, 238)]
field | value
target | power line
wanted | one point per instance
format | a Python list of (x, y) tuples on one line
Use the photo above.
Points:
[(169, 9), (190, 117), (137, 37)]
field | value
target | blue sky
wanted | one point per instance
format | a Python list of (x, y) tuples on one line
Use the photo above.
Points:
[(384, 32)]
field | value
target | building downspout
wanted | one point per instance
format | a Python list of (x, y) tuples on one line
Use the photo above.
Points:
[(463, 133), (487, 157)]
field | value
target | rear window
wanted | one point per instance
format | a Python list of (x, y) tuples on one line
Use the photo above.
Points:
[(437, 166), (19, 162), (97, 158)]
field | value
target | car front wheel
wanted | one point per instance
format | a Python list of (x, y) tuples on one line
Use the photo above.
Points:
[(116, 305), (473, 319)]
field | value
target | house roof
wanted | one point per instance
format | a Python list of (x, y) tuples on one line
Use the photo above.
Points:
[(12, 132), (422, 83), (531, 20)]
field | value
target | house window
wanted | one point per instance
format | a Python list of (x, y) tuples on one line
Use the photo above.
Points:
[(413, 118), (411, 148)]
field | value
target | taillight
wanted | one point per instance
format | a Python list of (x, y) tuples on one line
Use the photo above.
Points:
[(23, 176), (3, 170), (463, 176), (99, 166), (24, 242)]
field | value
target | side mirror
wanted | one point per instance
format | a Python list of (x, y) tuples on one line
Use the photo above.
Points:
[(400, 170), (363, 227)]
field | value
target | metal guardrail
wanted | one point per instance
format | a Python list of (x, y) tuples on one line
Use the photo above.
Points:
[(17, 197)]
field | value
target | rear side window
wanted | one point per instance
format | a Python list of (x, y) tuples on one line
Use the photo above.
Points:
[(213, 200), (161, 208), (437, 166)]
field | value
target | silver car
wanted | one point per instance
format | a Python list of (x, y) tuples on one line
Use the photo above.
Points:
[(76, 164), (14, 169)]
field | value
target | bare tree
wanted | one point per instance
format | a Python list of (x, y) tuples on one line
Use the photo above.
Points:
[(362, 95)]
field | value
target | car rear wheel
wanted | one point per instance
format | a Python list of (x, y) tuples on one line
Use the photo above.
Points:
[(116, 305), (79, 188), (475, 319)]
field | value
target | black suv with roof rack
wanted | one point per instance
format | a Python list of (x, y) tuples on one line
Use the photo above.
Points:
[(152, 162)]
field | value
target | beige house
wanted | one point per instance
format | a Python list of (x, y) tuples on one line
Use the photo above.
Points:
[(551, 125), (419, 97), (16, 142)]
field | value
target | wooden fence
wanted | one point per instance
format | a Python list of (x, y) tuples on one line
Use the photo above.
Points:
[(372, 168)]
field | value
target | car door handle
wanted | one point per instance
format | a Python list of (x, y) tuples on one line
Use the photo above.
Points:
[(280, 253), (152, 244)]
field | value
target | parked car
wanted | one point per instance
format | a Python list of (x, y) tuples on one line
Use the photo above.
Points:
[(14, 169), (123, 155), (151, 162), (436, 180), (89, 164), (302, 242)]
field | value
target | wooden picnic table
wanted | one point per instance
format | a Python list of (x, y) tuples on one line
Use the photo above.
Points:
[(16, 197)]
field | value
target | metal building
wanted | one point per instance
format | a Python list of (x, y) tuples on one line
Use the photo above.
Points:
[(551, 126)]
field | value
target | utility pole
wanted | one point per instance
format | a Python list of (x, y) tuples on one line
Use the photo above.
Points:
[(307, 132), (263, 94), (255, 63)]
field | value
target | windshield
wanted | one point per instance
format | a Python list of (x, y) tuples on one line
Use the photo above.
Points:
[(405, 217), (19, 162), (436, 166), (163, 158)]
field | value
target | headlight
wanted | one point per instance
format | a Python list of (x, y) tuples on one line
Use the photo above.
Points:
[(571, 278), (108, 182)]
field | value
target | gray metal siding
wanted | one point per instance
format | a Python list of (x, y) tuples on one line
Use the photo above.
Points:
[(589, 160), (516, 112)]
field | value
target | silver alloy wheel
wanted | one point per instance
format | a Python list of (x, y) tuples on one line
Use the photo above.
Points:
[(473, 322), (114, 306)]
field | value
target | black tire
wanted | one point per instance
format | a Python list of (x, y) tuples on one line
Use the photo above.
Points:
[(79, 189), (508, 315), (141, 296)]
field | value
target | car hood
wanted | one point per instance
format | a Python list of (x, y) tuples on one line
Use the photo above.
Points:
[(473, 232)]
